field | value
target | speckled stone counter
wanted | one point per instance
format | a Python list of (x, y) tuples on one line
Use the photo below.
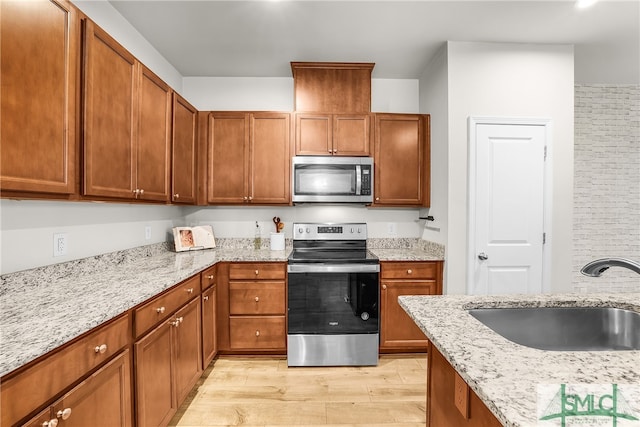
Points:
[(403, 249), (44, 308), (505, 375)]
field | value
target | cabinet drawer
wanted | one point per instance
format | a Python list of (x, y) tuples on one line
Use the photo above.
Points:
[(408, 270), (257, 332), (160, 308), (256, 297), (35, 386), (257, 271), (208, 277)]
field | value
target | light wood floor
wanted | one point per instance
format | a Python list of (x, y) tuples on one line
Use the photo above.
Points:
[(265, 392)]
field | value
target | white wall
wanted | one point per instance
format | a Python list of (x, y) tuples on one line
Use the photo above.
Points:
[(276, 94), (240, 222), (92, 228), (109, 19), (496, 79)]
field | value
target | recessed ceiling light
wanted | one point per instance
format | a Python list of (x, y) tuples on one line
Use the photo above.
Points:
[(583, 4)]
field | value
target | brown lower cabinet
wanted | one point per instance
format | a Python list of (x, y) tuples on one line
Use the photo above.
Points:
[(252, 303), (102, 400), (398, 333), (209, 313), (450, 401), (168, 364)]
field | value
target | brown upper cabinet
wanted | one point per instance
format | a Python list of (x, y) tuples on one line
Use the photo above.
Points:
[(40, 67), (183, 170), (333, 134), (127, 123), (332, 87), (249, 158), (401, 158)]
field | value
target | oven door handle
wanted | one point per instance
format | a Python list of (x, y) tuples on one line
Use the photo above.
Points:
[(333, 268)]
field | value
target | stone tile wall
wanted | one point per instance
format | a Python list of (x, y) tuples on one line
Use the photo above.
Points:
[(606, 184)]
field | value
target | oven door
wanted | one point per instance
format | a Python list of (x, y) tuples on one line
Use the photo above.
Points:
[(333, 299), (333, 315)]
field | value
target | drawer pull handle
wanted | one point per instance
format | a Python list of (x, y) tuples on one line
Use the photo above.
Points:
[(51, 423), (409, 271), (257, 299), (64, 413), (205, 298), (101, 349), (257, 272), (210, 277), (160, 310), (257, 333), (190, 290)]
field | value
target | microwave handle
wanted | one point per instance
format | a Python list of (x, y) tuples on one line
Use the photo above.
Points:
[(358, 180)]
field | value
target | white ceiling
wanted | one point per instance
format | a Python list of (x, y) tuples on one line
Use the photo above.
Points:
[(259, 38)]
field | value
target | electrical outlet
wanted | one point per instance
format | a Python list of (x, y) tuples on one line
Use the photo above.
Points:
[(392, 228), (147, 232), (60, 244)]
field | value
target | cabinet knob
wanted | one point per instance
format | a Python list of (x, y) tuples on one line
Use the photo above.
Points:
[(245, 198), (210, 277), (141, 191), (176, 196), (330, 151), (180, 319), (257, 272), (409, 271), (64, 413), (160, 310), (205, 298), (101, 349), (384, 287), (377, 199), (335, 150), (257, 299), (257, 333), (51, 423), (190, 290), (250, 198)]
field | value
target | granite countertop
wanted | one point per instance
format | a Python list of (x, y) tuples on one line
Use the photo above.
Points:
[(44, 308), (506, 375)]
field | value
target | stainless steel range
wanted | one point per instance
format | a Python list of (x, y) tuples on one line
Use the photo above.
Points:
[(333, 297)]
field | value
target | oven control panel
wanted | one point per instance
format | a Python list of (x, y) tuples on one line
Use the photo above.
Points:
[(345, 231)]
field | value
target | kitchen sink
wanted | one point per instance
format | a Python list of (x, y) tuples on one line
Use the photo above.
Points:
[(565, 328)]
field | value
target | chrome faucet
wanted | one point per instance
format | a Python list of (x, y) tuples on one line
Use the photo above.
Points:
[(597, 267)]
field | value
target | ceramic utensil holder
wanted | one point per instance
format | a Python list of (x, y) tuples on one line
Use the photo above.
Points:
[(277, 241)]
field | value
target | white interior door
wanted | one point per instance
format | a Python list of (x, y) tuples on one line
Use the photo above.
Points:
[(506, 215)]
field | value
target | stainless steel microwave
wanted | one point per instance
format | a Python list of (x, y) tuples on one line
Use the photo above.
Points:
[(332, 179)]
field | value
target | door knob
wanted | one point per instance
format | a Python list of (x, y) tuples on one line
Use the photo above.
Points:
[(482, 256)]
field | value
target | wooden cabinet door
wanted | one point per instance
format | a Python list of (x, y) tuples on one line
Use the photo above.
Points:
[(103, 399), (351, 134), (401, 160), (183, 170), (188, 350), (397, 330), (228, 153), (156, 401), (442, 410), (39, 67), (154, 137), (209, 333), (110, 113), (270, 158), (314, 134)]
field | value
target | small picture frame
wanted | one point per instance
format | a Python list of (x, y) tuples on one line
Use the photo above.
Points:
[(193, 238)]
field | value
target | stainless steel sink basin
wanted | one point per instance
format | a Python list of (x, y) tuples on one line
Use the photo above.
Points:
[(565, 328)]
